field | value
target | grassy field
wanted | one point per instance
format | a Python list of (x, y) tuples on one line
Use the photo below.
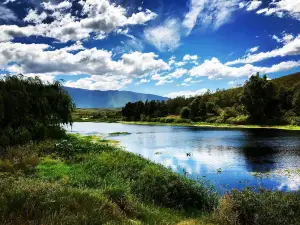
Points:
[(97, 115), (90, 180)]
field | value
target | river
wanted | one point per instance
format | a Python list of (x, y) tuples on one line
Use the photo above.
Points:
[(227, 158)]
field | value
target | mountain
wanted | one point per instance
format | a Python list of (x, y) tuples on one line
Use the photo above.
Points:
[(107, 99)]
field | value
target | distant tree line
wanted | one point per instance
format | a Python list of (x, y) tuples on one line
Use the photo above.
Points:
[(259, 101), (31, 110)]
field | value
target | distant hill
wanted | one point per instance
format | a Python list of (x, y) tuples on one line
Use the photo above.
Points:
[(107, 99), (288, 81)]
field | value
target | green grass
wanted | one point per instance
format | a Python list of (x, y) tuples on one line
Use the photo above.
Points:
[(86, 180), (97, 115), (248, 207), (217, 125), (83, 180)]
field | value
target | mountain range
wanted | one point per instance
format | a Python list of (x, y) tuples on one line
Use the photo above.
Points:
[(107, 99)]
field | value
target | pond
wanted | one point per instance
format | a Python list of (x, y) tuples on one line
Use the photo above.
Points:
[(227, 158)]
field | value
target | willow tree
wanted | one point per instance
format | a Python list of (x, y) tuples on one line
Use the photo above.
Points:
[(32, 110)]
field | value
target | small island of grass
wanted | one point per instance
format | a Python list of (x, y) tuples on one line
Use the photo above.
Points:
[(119, 133)]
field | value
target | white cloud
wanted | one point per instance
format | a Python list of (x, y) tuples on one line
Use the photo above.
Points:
[(7, 1), (75, 47), (212, 13), (178, 73), (253, 5), (34, 17), (99, 83), (172, 60), (282, 8), (214, 69), (164, 37), (190, 57), (6, 14), (254, 49), (276, 38), (189, 82), (99, 19), (187, 93), (292, 47), (61, 6), (143, 81), (286, 38), (40, 59), (179, 64), (161, 79)]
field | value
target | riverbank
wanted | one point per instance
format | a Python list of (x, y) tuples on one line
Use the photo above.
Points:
[(216, 125), (91, 180)]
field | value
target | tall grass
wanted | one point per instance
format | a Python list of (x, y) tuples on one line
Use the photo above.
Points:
[(248, 207), (84, 180)]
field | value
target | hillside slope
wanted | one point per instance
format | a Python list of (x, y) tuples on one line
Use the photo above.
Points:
[(107, 99)]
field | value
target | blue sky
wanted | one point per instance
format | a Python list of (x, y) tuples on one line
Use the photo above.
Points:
[(161, 47)]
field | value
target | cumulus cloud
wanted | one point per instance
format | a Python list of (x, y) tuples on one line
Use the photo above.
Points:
[(99, 18), (164, 37), (190, 57), (41, 59), (291, 47), (178, 73), (282, 8), (161, 79), (143, 81), (214, 69), (187, 93), (212, 13), (253, 5)]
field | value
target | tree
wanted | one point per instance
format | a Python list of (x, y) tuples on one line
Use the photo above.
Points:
[(31, 110), (185, 112), (296, 102), (259, 98)]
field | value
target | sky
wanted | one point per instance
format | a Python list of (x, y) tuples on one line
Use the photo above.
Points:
[(165, 47)]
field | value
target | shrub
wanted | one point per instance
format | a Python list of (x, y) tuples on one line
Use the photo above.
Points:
[(239, 120), (185, 112), (256, 208), (171, 190)]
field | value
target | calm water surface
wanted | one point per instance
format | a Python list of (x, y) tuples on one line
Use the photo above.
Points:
[(224, 157)]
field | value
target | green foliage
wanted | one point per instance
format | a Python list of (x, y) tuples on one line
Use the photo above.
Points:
[(31, 110), (254, 208), (185, 112), (259, 98), (296, 102), (107, 185), (259, 101)]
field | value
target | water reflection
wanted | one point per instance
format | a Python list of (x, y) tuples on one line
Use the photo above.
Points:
[(223, 157)]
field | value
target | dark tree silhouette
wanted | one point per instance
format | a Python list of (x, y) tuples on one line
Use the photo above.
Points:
[(31, 110)]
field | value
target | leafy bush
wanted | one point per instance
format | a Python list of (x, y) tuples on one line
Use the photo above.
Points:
[(185, 112), (256, 208), (239, 120), (171, 190)]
